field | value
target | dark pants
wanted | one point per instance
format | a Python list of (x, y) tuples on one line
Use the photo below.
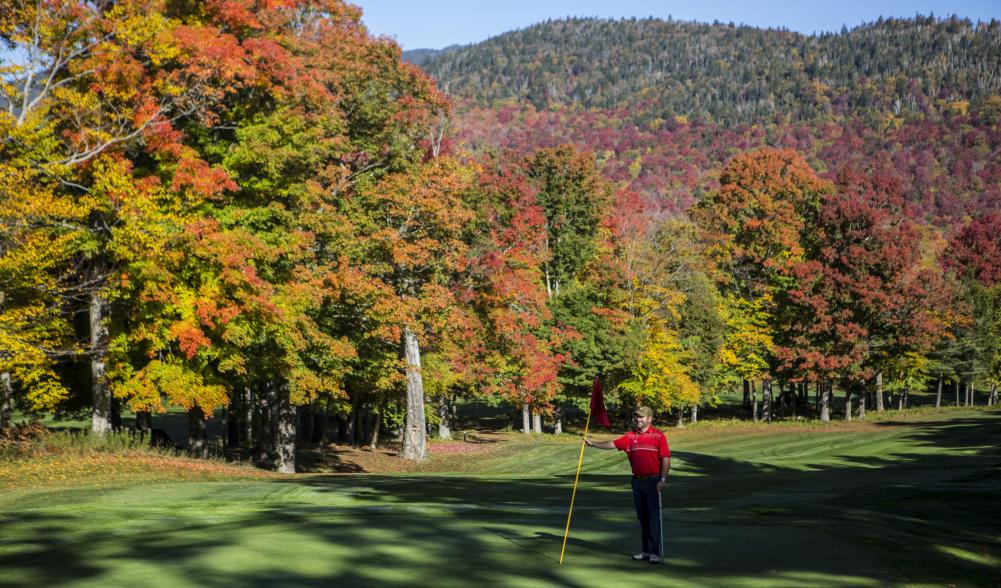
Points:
[(647, 501)]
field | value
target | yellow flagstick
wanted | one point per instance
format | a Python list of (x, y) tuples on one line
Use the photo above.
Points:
[(580, 460)]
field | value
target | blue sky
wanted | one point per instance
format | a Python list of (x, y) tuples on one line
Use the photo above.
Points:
[(435, 24)]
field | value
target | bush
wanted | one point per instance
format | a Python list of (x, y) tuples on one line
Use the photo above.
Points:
[(33, 439)]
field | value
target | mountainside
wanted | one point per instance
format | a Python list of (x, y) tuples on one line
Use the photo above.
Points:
[(728, 73), (663, 104)]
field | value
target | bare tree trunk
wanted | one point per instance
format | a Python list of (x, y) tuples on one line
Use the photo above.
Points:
[(993, 399), (414, 438), (747, 395), (848, 402), (537, 422), (248, 417), (526, 419), (351, 421), (766, 400), (198, 445), (377, 425), (144, 422), (681, 418), (956, 382), (879, 392), (101, 401), (362, 424), (970, 391), (6, 402), (265, 435), (861, 401), (284, 431), (825, 401), (444, 430), (558, 421), (754, 401), (695, 413), (938, 393)]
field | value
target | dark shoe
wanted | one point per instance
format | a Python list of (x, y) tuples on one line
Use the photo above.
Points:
[(642, 556)]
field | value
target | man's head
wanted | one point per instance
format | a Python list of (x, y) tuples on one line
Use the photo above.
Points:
[(643, 417)]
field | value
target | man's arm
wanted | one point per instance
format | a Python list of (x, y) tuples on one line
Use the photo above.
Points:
[(599, 444), (665, 467)]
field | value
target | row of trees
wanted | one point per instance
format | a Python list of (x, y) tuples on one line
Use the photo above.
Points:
[(257, 207)]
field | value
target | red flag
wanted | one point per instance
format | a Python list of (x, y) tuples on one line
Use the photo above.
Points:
[(598, 413)]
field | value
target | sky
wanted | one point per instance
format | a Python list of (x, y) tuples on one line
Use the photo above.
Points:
[(434, 24)]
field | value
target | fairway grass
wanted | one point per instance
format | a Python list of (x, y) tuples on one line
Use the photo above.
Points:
[(910, 501)]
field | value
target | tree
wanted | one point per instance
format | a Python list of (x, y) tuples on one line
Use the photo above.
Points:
[(756, 227), (521, 342), (861, 296), (410, 236)]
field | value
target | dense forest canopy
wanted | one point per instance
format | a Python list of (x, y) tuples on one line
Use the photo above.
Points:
[(727, 73)]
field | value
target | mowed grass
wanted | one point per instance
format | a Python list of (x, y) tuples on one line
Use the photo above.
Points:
[(906, 500)]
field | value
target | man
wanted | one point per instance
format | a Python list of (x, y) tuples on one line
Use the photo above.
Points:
[(650, 459)]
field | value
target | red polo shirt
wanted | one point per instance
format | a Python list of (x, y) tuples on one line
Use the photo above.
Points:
[(645, 450)]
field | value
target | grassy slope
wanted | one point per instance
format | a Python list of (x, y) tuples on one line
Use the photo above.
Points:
[(912, 502)]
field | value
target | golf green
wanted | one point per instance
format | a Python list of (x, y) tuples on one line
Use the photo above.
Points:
[(913, 502)]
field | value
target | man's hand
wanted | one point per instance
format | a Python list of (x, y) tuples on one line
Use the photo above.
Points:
[(661, 484), (599, 444)]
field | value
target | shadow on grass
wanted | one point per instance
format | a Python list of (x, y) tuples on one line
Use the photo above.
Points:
[(925, 513)]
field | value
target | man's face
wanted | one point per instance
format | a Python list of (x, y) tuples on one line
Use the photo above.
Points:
[(642, 422)]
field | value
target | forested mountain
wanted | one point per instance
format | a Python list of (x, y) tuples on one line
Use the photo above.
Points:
[(728, 73), (664, 104)]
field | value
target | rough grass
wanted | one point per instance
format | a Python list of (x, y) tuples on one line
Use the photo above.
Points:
[(911, 499)]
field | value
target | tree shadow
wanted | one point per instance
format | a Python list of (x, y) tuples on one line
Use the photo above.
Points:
[(919, 514)]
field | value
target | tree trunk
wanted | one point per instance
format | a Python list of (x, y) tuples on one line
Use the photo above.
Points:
[(754, 401), (526, 419), (766, 400), (861, 401), (377, 425), (362, 424), (747, 394), (444, 430), (558, 421), (993, 399), (320, 425), (537, 422), (6, 402), (144, 422), (285, 414), (695, 413), (956, 382), (970, 391), (248, 417), (681, 418), (414, 440), (848, 402), (101, 401), (879, 392), (938, 393), (198, 444), (825, 401), (265, 434)]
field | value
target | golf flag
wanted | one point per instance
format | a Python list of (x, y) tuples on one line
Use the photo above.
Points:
[(600, 416), (598, 412)]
